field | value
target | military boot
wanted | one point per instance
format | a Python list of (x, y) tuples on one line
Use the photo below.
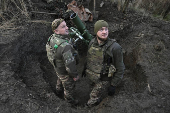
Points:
[(59, 92), (92, 103), (59, 87), (73, 102)]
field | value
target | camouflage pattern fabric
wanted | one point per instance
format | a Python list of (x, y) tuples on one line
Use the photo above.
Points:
[(68, 85), (115, 69), (95, 59), (105, 67), (59, 85), (61, 55), (94, 77), (56, 23), (100, 91)]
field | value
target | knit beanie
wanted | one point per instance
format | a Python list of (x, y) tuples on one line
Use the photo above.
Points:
[(99, 24), (56, 23)]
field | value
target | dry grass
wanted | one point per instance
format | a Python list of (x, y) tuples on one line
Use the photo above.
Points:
[(155, 6), (158, 7), (21, 7), (11, 5)]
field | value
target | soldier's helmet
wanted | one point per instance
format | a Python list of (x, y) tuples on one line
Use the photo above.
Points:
[(99, 24), (56, 23)]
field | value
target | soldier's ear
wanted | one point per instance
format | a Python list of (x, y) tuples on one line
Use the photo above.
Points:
[(56, 31)]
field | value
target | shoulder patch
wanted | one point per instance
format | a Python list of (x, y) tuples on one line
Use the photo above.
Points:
[(55, 46), (56, 42)]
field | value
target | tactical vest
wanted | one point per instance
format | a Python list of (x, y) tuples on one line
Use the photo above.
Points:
[(95, 59), (98, 62), (53, 43)]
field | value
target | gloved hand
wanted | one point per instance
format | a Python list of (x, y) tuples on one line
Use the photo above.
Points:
[(84, 73), (111, 90), (75, 46), (84, 70)]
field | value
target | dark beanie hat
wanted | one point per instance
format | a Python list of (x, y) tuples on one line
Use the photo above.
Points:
[(99, 24)]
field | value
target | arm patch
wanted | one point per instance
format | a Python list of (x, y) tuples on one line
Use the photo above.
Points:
[(68, 57)]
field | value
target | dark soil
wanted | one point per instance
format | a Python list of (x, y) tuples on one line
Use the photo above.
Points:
[(27, 79)]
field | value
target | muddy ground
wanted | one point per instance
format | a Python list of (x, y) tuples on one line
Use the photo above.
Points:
[(27, 79)]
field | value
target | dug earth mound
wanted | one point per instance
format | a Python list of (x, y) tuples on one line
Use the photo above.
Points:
[(28, 79)]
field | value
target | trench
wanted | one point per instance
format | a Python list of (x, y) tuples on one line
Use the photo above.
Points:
[(38, 75), (136, 71)]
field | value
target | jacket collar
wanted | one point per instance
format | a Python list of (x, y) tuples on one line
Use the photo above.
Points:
[(61, 36), (102, 44)]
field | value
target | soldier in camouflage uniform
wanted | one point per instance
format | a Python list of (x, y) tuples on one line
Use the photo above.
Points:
[(105, 65), (62, 56)]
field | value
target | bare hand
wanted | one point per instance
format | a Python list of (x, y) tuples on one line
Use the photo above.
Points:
[(76, 78)]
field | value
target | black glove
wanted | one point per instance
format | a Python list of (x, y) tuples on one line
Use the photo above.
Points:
[(84, 73), (75, 46), (84, 70), (111, 90)]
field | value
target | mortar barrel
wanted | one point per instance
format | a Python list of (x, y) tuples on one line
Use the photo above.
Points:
[(80, 26)]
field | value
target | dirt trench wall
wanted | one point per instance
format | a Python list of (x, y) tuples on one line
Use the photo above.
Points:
[(147, 52), (28, 79), (35, 71), (31, 47), (26, 86)]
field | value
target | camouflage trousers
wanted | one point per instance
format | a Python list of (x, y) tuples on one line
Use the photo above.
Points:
[(99, 91), (68, 84)]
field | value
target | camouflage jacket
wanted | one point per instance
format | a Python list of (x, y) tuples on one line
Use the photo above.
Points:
[(62, 55), (100, 62)]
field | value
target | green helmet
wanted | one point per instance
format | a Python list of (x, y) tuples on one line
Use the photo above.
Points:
[(56, 23), (99, 24)]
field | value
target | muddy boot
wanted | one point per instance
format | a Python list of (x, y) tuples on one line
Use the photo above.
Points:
[(59, 92), (92, 103), (73, 102), (59, 87), (86, 105)]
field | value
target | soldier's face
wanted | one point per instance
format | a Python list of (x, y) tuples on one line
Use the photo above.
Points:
[(62, 29), (103, 33)]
